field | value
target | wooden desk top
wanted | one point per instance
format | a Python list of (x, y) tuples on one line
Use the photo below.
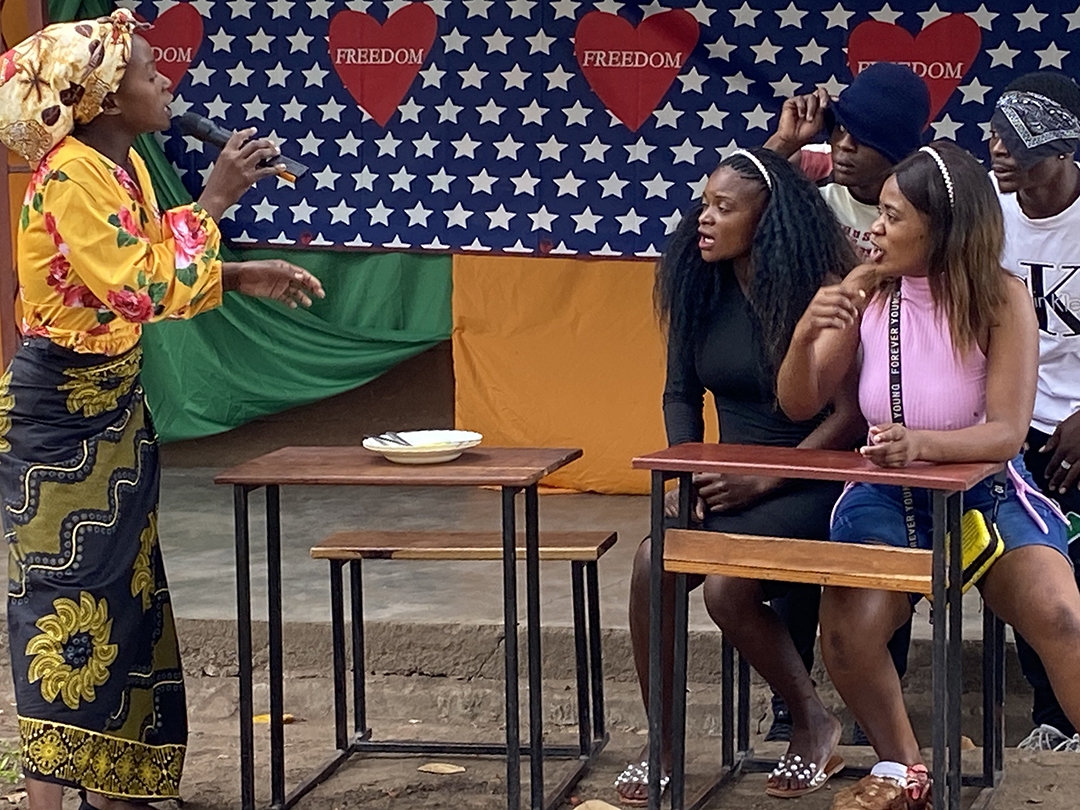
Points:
[(481, 466), (821, 465)]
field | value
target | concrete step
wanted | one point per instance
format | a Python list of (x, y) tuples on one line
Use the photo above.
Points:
[(452, 674), (475, 651), (478, 703)]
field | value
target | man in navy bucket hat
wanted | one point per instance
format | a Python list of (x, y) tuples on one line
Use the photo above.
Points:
[(875, 122), (886, 108)]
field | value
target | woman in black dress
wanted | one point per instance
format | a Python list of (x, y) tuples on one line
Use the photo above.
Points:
[(735, 278)]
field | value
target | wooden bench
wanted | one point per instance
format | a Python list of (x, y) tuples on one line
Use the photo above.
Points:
[(935, 573), (581, 549), (782, 559), (569, 546)]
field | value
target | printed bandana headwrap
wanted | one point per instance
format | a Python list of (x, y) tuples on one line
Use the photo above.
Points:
[(58, 78), (1034, 127)]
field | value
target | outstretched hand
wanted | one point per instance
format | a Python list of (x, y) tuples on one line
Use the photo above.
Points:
[(273, 278)]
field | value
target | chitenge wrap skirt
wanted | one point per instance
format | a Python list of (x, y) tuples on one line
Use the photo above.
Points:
[(94, 655)]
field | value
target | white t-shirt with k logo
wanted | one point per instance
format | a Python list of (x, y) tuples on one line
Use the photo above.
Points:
[(1045, 253)]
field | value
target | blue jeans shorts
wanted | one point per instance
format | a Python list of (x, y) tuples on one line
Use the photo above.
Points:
[(874, 513)]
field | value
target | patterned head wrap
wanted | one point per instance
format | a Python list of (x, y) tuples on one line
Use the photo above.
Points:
[(1034, 127), (58, 78)]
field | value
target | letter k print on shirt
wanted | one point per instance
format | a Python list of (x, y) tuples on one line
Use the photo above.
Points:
[(1057, 308)]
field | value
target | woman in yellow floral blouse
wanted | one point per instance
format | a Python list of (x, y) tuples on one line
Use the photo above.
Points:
[(94, 652)]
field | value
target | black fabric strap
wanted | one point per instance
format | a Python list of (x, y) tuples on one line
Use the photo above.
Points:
[(896, 406)]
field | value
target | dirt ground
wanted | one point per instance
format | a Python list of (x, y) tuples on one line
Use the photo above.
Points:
[(1045, 781)]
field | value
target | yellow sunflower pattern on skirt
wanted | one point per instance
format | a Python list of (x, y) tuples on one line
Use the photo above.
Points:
[(96, 389), (73, 652), (142, 577), (101, 763)]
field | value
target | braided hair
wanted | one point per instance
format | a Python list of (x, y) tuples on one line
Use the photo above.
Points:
[(798, 244)]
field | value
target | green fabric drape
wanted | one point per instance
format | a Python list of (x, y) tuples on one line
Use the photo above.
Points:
[(250, 357), (64, 10)]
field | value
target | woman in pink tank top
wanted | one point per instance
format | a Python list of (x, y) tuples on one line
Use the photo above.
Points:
[(967, 368)]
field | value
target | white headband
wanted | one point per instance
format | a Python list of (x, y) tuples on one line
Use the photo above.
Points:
[(757, 163), (932, 152)]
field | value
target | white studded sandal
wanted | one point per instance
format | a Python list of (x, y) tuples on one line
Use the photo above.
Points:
[(637, 774), (812, 775)]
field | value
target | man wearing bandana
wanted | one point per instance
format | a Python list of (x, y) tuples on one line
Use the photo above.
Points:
[(1034, 134)]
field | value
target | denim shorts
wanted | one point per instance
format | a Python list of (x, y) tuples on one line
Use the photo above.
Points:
[(874, 513)]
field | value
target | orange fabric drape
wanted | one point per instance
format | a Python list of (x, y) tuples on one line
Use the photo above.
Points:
[(562, 352)]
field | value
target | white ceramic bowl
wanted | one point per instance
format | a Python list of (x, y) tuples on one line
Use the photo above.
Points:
[(425, 446)]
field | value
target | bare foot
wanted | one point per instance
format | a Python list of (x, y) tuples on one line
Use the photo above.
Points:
[(814, 743)]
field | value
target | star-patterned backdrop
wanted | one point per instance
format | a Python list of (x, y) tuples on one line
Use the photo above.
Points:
[(500, 140)]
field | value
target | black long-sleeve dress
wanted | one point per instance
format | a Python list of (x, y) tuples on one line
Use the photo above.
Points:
[(729, 361)]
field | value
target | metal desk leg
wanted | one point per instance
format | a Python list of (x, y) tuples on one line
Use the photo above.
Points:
[(989, 718), (993, 697), (678, 697), (532, 601), (999, 695), (744, 705), (510, 625), (337, 630), (940, 648), (727, 703), (656, 610), (277, 686), (581, 657), (656, 678), (243, 636), (955, 506), (679, 657), (356, 602), (596, 663)]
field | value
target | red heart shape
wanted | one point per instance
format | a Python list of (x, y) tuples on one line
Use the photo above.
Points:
[(630, 68), (941, 54), (175, 39), (377, 63)]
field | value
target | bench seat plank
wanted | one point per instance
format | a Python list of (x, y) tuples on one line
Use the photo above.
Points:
[(380, 545), (787, 560)]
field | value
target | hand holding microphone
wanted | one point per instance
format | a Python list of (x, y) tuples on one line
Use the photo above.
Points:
[(243, 161), (207, 131)]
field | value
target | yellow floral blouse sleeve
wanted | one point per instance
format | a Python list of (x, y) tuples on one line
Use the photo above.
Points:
[(97, 259)]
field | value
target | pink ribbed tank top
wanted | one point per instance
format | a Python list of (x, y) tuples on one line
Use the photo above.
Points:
[(942, 390)]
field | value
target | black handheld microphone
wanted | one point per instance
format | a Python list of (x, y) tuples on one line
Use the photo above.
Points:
[(205, 130)]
